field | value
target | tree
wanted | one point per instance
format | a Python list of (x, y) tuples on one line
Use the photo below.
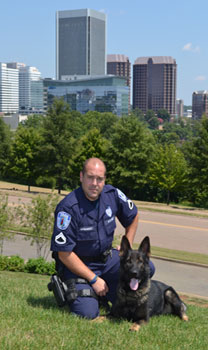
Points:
[(151, 119), (168, 170), (196, 153), (129, 156), (140, 115), (163, 114), (25, 155), (5, 147), (101, 121), (33, 121), (149, 115), (57, 147), (38, 217), (5, 219), (163, 137)]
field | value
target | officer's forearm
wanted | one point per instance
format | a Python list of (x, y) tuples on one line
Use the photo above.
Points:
[(75, 265), (131, 229)]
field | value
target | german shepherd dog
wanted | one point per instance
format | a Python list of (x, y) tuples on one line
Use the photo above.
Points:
[(138, 297)]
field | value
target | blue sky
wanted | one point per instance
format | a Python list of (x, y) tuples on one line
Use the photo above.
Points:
[(134, 28)]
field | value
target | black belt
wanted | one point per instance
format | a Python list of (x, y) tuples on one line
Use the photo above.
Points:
[(98, 258)]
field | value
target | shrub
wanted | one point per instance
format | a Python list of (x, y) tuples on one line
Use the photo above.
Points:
[(11, 263), (40, 266), (3, 262), (16, 263)]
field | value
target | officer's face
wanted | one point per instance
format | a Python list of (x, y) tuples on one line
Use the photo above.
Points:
[(93, 180)]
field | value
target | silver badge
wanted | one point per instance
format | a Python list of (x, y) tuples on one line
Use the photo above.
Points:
[(109, 211)]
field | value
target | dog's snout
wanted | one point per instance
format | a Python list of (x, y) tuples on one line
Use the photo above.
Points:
[(134, 272)]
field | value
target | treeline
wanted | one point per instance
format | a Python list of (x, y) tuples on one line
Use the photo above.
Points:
[(150, 158)]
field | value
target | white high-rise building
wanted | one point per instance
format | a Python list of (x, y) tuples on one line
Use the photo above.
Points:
[(9, 89), (30, 89)]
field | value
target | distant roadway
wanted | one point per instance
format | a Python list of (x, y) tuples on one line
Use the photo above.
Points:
[(173, 231)]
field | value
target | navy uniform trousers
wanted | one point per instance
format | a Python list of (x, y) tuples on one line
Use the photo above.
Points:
[(88, 307)]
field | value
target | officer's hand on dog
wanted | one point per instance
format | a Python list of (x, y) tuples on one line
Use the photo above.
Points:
[(100, 287)]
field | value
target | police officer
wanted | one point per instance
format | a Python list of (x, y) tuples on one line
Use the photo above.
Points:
[(83, 234)]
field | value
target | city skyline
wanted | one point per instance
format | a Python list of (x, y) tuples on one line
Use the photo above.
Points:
[(134, 29)]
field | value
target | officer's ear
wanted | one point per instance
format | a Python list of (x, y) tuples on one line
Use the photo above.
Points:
[(81, 176)]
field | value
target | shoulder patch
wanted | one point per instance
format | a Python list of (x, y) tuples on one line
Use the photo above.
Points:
[(121, 195), (60, 238), (130, 203), (63, 220)]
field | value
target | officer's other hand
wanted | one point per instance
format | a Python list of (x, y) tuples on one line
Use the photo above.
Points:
[(100, 287)]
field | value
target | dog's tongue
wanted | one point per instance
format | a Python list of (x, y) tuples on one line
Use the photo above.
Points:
[(134, 284)]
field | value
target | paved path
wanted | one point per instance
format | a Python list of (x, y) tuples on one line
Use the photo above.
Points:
[(184, 278)]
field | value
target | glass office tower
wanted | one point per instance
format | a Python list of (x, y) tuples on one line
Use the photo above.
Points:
[(80, 43), (102, 94)]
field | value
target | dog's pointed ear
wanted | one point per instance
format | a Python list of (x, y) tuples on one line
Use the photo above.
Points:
[(145, 246), (125, 246)]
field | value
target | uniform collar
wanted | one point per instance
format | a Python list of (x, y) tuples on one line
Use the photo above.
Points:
[(85, 206)]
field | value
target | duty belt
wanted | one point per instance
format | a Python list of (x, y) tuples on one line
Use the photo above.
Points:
[(102, 258)]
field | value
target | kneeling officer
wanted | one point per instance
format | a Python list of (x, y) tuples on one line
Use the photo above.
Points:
[(85, 221)]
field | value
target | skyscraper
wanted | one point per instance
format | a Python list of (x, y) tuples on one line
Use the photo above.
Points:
[(154, 84), (199, 104), (80, 43), (9, 89), (30, 89), (120, 65), (179, 108)]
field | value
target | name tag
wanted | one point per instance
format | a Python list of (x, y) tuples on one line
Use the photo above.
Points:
[(89, 228), (109, 220)]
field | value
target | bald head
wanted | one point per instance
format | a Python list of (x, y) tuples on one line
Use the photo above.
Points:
[(93, 162), (92, 178)]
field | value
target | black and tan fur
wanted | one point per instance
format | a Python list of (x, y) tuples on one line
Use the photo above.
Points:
[(138, 297)]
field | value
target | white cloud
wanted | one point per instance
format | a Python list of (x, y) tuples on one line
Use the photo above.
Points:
[(190, 47), (200, 77), (187, 47)]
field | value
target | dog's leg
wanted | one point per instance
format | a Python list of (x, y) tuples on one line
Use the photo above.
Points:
[(184, 317), (99, 319), (178, 307), (137, 325)]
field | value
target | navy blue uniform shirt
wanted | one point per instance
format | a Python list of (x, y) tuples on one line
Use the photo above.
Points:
[(87, 227)]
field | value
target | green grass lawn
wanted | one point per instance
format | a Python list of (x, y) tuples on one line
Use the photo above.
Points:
[(30, 320)]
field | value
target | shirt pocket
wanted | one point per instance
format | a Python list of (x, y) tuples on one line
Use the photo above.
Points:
[(110, 225), (87, 233)]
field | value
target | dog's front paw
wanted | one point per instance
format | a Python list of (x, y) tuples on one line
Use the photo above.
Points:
[(99, 319), (185, 318), (135, 327)]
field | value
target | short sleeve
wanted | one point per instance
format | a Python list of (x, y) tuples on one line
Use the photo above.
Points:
[(127, 210), (65, 229)]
